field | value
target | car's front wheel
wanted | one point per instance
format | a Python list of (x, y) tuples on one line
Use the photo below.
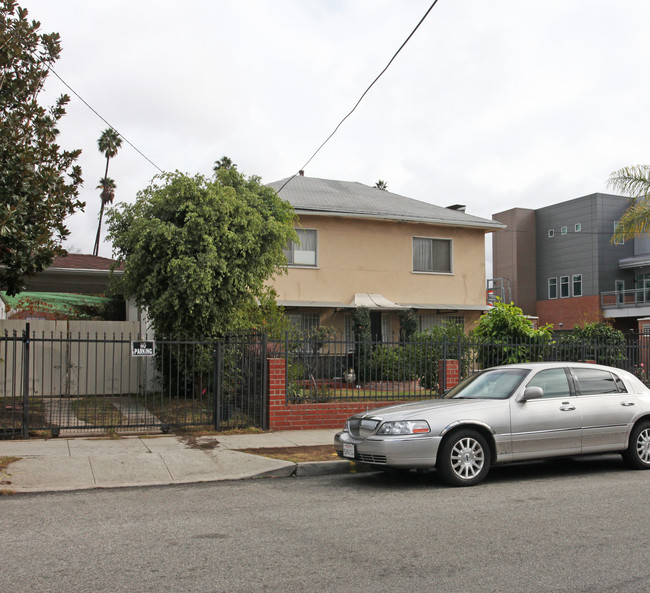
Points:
[(464, 458), (637, 454)]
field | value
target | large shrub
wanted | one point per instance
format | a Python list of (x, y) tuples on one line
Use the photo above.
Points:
[(505, 336), (598, 341)]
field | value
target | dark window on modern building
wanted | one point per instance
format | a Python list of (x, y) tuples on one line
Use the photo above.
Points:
[(564, 287), (577, 285)]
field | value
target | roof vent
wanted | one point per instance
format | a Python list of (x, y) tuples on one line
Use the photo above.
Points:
[(301, 173), (457, 207)]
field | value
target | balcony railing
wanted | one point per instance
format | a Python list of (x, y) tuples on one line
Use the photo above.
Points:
[(625, 299)]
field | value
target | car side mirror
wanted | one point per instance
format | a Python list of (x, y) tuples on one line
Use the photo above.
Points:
[(532, 393)]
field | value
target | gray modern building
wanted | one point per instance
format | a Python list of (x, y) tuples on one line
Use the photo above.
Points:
[(560, 264)]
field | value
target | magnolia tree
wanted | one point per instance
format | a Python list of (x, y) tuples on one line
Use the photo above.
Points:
[(197, 252), (39, 182)]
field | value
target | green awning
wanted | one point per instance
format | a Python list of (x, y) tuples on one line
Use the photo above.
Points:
[(56, 302)]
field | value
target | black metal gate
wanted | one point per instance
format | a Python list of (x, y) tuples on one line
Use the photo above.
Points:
[(65, 384)]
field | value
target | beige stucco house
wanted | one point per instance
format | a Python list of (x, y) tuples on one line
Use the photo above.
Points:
[(360, 245)]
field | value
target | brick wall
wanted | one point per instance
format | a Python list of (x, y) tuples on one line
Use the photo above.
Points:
[(569, 312), (283, 416)]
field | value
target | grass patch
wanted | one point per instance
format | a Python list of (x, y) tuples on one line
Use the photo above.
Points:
[(297, 454), (5, 461), (11, 412), (98, 411)]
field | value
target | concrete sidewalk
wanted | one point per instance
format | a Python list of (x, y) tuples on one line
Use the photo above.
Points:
[(81, 463)]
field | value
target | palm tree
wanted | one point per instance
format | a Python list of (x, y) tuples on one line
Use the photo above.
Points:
[(381, 184), (224, 163), (109, 143), (634, 182)]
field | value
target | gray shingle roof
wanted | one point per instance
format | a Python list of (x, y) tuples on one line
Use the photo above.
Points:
[(309, 195)]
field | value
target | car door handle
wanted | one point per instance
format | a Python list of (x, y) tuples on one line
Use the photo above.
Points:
[(627, 403), (567, 407)]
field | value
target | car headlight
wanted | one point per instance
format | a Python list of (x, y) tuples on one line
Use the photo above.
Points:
[(404, 427)]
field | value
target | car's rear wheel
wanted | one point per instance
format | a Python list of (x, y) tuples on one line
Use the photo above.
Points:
[(464, 458), (637, 454)]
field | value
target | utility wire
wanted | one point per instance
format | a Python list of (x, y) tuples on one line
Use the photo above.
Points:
[(100, 117), (426, 14)]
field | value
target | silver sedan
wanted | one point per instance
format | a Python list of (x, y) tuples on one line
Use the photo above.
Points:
[(505, 414)]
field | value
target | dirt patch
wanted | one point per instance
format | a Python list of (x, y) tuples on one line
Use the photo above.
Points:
[(297, 454)]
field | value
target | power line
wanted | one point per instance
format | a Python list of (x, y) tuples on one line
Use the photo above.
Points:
[(364, 94), (104, 120)]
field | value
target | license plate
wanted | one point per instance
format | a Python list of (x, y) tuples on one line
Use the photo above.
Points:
[(348, 450)]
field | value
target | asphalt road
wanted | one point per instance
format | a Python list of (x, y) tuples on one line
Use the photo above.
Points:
[(576, 526)]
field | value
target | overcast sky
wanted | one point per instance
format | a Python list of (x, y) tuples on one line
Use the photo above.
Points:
[(493, 104)]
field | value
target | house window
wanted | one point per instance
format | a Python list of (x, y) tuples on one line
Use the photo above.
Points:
[(618, 241), (577, 285), (578, 227), (431, 255), (303, 252), (552, 288), (563, 230), (429, 321), (304, 321), (564, 287), (551, 233)]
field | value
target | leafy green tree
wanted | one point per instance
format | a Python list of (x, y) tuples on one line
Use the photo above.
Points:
[(505, 336), (197, 251), (109, 143), (39, 182), (634, 182), (381, 184)]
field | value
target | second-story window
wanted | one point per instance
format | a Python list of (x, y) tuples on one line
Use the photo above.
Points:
[(552, 288), (431, 255), (303, 252), (564, 287), (577, 285)]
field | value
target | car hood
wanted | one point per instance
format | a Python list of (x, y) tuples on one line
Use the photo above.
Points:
[(428, 408)]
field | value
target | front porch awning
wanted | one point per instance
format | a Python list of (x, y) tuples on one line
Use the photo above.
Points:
[(375, 301)]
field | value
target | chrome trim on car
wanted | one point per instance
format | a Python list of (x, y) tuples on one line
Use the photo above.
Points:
[(447, 428)]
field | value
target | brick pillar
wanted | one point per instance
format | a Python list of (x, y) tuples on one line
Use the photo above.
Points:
[(277, 389), (450, 370)]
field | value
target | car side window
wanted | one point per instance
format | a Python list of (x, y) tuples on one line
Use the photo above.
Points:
[(554, 383), (595, 381)]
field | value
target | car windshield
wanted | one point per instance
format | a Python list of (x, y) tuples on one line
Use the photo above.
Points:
[(490, 384)]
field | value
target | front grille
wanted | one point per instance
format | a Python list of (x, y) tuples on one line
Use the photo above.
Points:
[(367, 458), (362, 427)]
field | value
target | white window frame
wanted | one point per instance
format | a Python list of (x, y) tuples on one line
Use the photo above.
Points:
[(551, 233), (576, 280), (564, 230), (620, 241), (619, 287), (578, 227), (302, 258), (433, 241), (564, 282), (552, 284)]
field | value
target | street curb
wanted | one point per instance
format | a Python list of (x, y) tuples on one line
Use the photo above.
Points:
[(321, 468)]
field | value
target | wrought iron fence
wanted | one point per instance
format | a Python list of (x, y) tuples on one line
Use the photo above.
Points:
[(81, 383), (70, 383), (339, 370)]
